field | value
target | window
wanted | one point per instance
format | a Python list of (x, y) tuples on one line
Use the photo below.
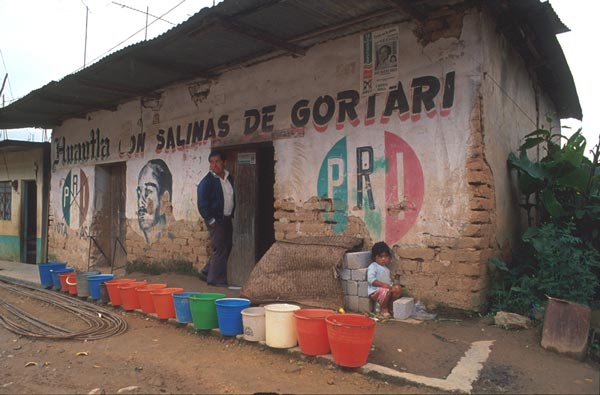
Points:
[(5, 200)]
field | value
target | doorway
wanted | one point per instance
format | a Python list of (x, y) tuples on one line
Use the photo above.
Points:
[(107, 239), (29, 222), (253, 170)]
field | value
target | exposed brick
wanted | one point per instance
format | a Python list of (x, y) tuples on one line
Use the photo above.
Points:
[(476, 164), (283, 227), (462, 283), (462, 255), (472, 242), (481, 190), (410, 265), (419, 281), (478, 230), (477, 203), (436, 267), (481, 177), (470, 269), (415, 253), (284, 205), (315, 228), (480, 217)]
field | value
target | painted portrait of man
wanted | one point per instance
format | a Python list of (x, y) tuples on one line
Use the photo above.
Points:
[(154, 192)]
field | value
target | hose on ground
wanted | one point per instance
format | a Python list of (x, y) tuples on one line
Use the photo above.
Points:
[(101, 323)]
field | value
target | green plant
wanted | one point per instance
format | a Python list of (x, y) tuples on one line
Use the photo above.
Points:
[(564, 186), (559, 252), (551, 262)]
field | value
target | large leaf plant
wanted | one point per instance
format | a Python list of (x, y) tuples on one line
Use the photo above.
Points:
[(559, 255)]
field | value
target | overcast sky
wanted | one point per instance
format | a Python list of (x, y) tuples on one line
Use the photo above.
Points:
[(44, 40)]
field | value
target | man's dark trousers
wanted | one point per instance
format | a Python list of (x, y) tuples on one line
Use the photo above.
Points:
[(221, 241)]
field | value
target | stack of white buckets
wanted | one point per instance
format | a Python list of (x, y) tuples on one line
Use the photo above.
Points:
[(273, 324)]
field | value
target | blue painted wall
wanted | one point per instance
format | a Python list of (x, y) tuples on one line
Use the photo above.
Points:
[(10, 249)]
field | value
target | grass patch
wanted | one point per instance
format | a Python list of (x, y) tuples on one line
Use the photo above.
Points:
[(158, 267)]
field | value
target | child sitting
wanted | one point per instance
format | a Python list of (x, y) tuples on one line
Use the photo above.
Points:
[(381, 287)]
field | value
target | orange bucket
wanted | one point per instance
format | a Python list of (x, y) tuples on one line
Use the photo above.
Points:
[(312, 330), (113, 292), (129, 296), (163, 302), (146, 302), (350, 337), (71, 282)]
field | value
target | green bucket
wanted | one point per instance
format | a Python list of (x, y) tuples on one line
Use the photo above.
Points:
[(204, 310)]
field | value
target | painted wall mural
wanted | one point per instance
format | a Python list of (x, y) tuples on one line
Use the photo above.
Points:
[(75, 198), (154, 194), (429, 95), (401, 174)]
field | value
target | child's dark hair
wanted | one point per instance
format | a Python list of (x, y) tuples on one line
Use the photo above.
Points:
[(380, 247)]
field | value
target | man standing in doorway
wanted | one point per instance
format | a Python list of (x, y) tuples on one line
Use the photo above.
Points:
[(216, 204)]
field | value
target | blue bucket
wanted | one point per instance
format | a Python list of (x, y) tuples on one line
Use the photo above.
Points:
[(45, 275), (55, 279), (181, 300), (229, 314), (94, 284)]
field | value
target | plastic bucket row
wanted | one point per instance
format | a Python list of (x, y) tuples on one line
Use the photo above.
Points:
[(316, 331)]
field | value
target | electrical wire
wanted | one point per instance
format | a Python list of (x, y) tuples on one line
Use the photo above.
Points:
[(139, 31), (101, 323)]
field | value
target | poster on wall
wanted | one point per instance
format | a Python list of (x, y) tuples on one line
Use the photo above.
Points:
[(379, 60)]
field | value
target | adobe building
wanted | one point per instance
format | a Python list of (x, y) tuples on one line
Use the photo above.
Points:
[(385, 120), (24, 187)]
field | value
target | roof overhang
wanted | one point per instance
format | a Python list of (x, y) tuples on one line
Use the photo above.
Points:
[(240, 33)]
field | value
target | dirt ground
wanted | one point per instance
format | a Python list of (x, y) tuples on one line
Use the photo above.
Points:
[(159, 357)]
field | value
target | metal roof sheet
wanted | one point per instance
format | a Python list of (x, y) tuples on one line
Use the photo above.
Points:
[(236, 33)]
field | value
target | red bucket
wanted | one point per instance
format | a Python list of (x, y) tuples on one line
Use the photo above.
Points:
[(146, 302), (71, 282), (129, 296), (163, 302), (312, 330), (64, 287), (114, 294), (350, 337)]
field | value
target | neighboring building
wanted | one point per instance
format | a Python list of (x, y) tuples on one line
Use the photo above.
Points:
[(24, 186), (384, 120)]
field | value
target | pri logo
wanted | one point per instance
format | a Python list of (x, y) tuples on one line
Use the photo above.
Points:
[(75, 197), (389, 190)]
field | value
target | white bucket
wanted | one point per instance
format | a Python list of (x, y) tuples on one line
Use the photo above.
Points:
[(253, 319), (280, 328)]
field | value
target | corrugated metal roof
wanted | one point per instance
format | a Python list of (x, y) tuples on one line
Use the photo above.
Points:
[(236, 33)]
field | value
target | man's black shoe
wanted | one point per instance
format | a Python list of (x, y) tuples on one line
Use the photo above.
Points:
[(221, 285)]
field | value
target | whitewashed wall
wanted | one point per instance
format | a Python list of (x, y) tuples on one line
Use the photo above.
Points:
[(514, 105)]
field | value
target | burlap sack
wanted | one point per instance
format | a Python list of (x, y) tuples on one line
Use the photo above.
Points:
[(302, 271)]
